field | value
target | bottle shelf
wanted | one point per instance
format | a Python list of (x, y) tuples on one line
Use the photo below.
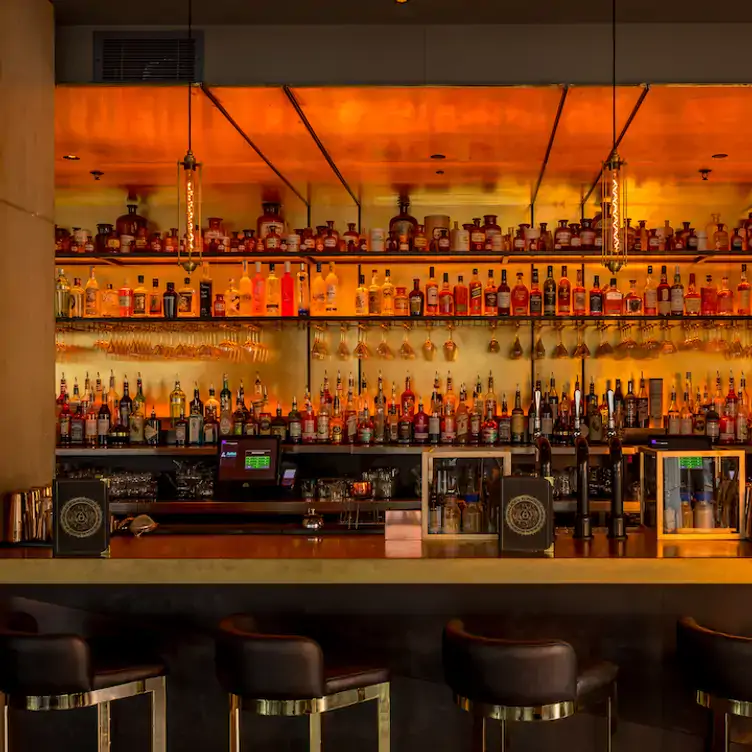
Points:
[(386, 449), (588, 256), (240, 320)]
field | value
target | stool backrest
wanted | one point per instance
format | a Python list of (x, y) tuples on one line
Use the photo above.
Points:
[(265, 666), (508, 672), (715, 662)]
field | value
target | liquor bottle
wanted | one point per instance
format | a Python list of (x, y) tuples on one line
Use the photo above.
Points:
[(553, 398), (126, 403), (432, 294), (477, 236), (119, 434), (476, 295), (632, 301), (404, 225), (677, 294), (392, 418), (76, 298), (462, 418), (112, 394), (186, 299), (90, 423), (387, 295), (546, 418), (650, 295), (719, 402), (613, 300), (743, 291), (709, 297), (212, 405), (446, 298), (420, 425), (699, 417), (308, 421), (732, 403), (437, 400), (564, 294), (448, 427), (245, 291), (562, 235), (489, 430), (77, 423), (521, 298), (725, 298), (596, 297), (318, 293), (504, 424), (177, 401), (692, 298), (351, 414), (490, 296), (196, 420), (332, 285), (294, 428), (365, 428), (336, 423), (322, 419), (579, 296), (287, 292), (492, 232), (720, 238), (170, 302), (273, 292), (278, 425), (504, 296), (93, 298), (476, 415), (742, 415), (155, 299), (664, 294), (535, 297), (549, 294), (686, 416), (490, 401), (518, 419), (125, 300), (712, 415), (240, 414), (674, 416), (404, 429), (373, 295), (630, 407), (181, 429), (416, 299), (361, 297), (643, 410), (461, 297), (110, 302)]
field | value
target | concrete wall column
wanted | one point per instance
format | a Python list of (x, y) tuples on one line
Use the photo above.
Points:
[(27, 260)]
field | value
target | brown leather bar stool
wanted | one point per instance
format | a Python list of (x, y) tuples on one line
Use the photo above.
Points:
[(41, 672), (719, 665), (285, 675), (508, 680)]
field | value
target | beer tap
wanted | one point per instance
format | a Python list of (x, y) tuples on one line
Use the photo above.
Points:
[(542, 444), (583, 526), (616, 524)]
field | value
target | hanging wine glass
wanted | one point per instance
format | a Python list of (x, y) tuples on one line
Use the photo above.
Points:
[(429, 349), (581, 350), (406, 349), (362, 351), (560, 350), (383, 349), (343, 351), (604, 348), (516, 351), (493, 343), (450, 346), (667, 346)]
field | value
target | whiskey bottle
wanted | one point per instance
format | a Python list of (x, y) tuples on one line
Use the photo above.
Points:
[(476, 295), (490, 296), (434, 425), (420, 425), (596, 297), (152, 428), (536, 296), (504, 424), (432, 294), (504, 296), (643, 409), (489, 430), (650, 295), (630, 407), (462, 418), (518, 419), (549, 294), (564, 294), (677, 294)]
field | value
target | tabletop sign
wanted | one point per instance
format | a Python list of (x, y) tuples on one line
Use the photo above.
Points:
[(80, 518), (526, 518)]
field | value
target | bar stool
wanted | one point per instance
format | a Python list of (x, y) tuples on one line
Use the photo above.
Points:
[(508, 680), (41, 672), (719, 665), (284, 675)]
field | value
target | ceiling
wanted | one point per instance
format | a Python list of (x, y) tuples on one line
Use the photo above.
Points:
[(96, 12), (381, 139)]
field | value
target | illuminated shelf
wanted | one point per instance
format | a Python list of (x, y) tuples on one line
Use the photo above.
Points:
[(234, 320), (458, 257)]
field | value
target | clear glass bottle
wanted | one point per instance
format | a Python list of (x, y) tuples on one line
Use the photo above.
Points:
[(361, 297), (692, 298), (76, 299), (725, 298), (387, 295), (273, 292), (373, 295), (632, 301), (743, 292), (258, 292), (650, 295), (302, 292), (332, 286), (612, 300), (245, 291), (92, 297), (677, 294), (177, 401), (155, 299), (110, 302), (318, 293), (232, 299)]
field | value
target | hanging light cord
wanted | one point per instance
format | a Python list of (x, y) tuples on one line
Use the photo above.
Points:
[(190, 104), (613, 68)]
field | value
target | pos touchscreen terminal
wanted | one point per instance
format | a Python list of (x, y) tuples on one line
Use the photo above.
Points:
[(246, 462)]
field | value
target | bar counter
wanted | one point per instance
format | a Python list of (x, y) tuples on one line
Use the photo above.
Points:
[(159, 559)]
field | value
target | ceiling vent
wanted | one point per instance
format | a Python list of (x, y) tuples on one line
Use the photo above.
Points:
[(147, 57)]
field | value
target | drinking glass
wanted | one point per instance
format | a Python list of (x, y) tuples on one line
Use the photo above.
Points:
[(406, 349)]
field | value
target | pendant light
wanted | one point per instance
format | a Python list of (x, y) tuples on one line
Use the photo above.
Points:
[(189, 186), (613, 184)]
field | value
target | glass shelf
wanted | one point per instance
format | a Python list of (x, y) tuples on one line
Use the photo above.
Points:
[(592, 256)]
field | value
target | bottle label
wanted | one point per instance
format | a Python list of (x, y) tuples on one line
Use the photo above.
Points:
[(536, 305), (547, 425), (365, 434), (564, 300), (686, 426), (741, 428), (150, 433), (352, 426), (103, 426), (596, 304), (374, 302), (463, 422), (664, 302), (434, 426), (643, 414), (579, 301), (549, 302), (518, 428), (308, 429), (448, 431), (91, 428), (744, 301), (185, 302), (139, 303), (225, 425), (432, 295), (728, 434), (712, 428), (155, 304), (294, 429), (677, 300), (336, 433), (125, 301), (476, 298), (490, 299), (322, 430), (596, 427), (651, 302), (137, 429), (475, 425), (505, 431), (490, 435), (504, 300), (361, 303), (90, 301)]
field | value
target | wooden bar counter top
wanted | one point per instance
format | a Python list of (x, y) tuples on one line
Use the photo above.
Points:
[(370, 559)]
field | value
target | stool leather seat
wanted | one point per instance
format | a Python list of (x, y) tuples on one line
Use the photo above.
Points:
[(518, 673), (341, 678), (113, 673)]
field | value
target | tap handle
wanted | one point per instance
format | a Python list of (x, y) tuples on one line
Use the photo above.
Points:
[(577, 411), (610, 403), (537, 421)]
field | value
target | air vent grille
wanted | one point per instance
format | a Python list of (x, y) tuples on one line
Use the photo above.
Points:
[(147, 58)]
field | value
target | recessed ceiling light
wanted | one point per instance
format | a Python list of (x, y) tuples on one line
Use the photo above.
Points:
[(400, 2), (438, 156), (439, 172), (72, 157), (720, 155)]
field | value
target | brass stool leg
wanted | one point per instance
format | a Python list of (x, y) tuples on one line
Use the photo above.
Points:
[(159, 715), (384, 720), (609, 713), (3, 723), (479, 733), (103, 723), (503, 725), (726, 733), (314, 732), (234, 724)]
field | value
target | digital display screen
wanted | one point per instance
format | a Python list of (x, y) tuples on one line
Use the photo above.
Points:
[(248, 459), (690, 463)]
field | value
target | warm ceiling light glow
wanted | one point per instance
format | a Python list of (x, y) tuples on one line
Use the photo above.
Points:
[(438, 156), (720, 155), (72, 157), (439, 172), (401, 2)]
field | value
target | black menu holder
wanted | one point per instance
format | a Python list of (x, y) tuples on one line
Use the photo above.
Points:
[(80, 518), (526, 515)]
